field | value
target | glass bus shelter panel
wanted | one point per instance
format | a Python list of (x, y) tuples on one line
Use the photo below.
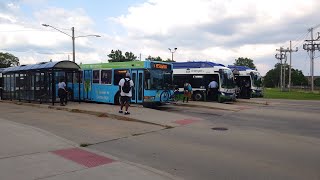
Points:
[(5, 87)]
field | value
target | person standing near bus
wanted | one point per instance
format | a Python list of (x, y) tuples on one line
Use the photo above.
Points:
[(125, 85), (187, 91), (62, 92), (213, 90)]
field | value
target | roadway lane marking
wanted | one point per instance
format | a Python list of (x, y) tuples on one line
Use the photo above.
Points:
[(83, 157)]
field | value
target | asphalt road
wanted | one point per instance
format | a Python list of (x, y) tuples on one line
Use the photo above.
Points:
[(279, 141)]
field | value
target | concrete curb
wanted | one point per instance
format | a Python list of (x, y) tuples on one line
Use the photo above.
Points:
[(109, 115), (95, 113)]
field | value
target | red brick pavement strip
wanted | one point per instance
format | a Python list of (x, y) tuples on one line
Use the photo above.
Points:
[(186, 121), (83, 157)]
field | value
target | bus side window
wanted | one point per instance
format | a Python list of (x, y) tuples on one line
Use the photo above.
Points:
[(96, 76), (118, 75), (106, 76), (179, 80)]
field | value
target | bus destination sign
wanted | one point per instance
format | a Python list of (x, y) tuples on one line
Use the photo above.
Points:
[(160, 66)]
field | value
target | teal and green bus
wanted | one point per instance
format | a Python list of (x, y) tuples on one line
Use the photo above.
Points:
[(100, 82)]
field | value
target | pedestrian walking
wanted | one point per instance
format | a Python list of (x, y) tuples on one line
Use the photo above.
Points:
[(62, 92), (125, 85), (187, 92)]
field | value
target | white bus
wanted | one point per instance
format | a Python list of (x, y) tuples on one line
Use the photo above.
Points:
[(200, 74), (253, 77)]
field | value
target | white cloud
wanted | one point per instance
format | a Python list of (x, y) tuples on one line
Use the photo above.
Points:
[(217, 30), (63, 18)]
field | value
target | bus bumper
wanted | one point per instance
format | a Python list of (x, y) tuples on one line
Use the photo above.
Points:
[(257, 93), (227, 97)]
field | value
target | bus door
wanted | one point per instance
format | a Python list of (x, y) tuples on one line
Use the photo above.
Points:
[(137, 91), (87, 84)]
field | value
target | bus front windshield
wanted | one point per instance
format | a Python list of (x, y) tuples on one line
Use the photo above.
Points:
[(257, 79), (156, 79), (227, 79)]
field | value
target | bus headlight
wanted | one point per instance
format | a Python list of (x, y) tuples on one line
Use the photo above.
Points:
[(223, 94)]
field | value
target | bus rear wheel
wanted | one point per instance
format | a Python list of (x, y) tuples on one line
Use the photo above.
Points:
[(197, 96)]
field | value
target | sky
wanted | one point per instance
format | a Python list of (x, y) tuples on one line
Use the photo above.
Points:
[(212, 30)]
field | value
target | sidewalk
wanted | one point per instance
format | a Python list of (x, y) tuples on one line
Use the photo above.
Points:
[(29, 153), (138, 113)]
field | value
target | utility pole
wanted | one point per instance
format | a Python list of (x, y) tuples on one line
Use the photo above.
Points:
[(284, 70), (312, 47), (280, 57), (290, 51)]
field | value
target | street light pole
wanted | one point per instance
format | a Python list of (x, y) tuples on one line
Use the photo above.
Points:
[(175, 49), (73, 46), (73, 39)]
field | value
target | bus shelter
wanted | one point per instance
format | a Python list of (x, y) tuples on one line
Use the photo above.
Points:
[(38, 82), (1, 83)]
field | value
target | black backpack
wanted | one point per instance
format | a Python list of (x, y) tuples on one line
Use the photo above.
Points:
[(126, 86)]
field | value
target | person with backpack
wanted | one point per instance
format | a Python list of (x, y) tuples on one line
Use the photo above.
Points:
[(125, 85)]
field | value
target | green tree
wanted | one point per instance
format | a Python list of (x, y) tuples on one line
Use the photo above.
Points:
[(129, 56), (7, 60), (245, 62), (317, 82), (154, 58), (297, 78), (272, 78), (116, 56), (169, 60)]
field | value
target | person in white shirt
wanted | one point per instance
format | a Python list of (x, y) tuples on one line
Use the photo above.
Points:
[(125, 94), (62, 92), (213, 90)]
